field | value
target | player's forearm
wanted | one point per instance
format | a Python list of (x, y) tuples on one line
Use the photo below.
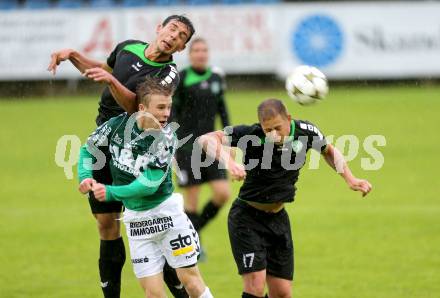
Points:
[(335, 159), (212, 145), (145, 185), (85, 164), (123, 96), (82, 63)]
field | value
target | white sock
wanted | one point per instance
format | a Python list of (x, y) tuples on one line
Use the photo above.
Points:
[(206, 294)]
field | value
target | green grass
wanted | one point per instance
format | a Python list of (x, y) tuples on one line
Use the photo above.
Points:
[(386, 245)]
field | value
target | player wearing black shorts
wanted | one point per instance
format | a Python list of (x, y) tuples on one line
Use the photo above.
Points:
[(128, 64), (259, 229), (199, 98)]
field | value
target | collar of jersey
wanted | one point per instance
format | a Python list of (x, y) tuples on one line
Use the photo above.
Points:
[(139, 50), (193, 77), (291, 134)]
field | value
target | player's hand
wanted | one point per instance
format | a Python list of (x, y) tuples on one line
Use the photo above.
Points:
[(99, 191), (237, 171), (360, 185), (86, 185), (57, 57), (98, 74)]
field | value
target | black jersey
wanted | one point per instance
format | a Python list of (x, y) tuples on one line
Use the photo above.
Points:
[(198, 99), (272, 170), (130, 67)]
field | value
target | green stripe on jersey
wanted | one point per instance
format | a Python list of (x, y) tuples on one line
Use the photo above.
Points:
[(193, 78), (139, 50)]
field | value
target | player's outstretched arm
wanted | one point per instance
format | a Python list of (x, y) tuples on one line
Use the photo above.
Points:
[(146, 184), (123, 96), (213, 144), (80, 61), (335, 159)]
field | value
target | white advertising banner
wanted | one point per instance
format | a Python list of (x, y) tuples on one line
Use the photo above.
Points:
[(363, 40), (27, 39), (346, 40)]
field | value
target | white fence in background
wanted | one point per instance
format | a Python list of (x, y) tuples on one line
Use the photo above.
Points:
[(345, 40)]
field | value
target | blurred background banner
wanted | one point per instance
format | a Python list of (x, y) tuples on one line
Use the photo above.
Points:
[(345, 40)]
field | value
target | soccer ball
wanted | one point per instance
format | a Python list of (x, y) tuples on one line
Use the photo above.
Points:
[(306, 85)]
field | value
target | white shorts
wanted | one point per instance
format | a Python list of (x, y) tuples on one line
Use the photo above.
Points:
[(164, 232)]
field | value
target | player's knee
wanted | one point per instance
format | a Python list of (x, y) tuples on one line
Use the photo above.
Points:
[(153, 292), (108, 227), (192, 281), (254, 284)]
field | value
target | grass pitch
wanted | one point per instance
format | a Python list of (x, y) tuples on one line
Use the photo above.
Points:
[(386, 245)]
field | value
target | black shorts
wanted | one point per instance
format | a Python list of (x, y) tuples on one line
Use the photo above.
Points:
[(261, 240), (104, 176), (188, 175)]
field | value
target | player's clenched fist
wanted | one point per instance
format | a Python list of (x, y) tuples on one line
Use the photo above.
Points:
[(57, 57), (361, 185), (99, 191), (237, 171), (86, 185)]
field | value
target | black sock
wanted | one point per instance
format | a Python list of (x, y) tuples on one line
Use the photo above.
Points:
[(247, 295), (173, 283), (111, 261), (194, 218), (209, 212)]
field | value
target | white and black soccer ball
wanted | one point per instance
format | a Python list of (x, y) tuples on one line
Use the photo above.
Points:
[(306, 85)]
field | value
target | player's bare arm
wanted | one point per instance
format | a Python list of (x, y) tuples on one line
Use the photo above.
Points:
[(334, 158), (124, 97), (215, 145), (80, 61)]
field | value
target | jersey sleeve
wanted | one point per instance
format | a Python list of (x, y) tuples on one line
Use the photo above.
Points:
[(169, 75), (315, 139), (111, 59), (146, 184)]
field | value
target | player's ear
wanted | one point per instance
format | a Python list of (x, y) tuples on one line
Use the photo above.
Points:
[(182, 48), (158, 28), (141, 107), (289, 117)]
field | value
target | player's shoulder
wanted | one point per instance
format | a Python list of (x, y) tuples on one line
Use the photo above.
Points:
[(253, 129), (130, 42), (217, 71), (306, 127), (117, 120)]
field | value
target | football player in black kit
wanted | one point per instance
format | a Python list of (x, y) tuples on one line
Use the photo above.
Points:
[(128, 64), (259, 229), (199, 98)]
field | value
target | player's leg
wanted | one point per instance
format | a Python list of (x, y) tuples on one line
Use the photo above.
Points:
[(181, 248), (220, 195), (153, 286), (191, 197), (190, 186), (112, 250), (193, 282), (245, 228), (253, 284), (279, 287), (280, 264)]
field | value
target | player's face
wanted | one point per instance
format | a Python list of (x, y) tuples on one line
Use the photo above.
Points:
[(199, 55), (277, 128), (159, 107), (172, 37)]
